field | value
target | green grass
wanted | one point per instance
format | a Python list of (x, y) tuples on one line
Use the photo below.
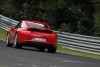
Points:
[(69, 51), (2, 34), (60, 48)]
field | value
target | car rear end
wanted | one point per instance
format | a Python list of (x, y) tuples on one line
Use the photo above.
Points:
[(40, 37)]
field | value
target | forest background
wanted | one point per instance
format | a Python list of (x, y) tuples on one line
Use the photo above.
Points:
[(74, 16)]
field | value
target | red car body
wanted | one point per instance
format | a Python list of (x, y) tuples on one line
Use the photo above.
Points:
[(32, 33)]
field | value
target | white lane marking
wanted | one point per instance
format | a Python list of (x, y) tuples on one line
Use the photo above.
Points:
[(53, 66), (78, 62), (19, 64), (2, 39), (73, 61), (34, 65)]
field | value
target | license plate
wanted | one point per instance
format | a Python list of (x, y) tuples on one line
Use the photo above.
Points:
[(39, 39)]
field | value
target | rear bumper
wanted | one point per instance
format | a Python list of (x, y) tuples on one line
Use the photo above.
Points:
[(28, 39), (38, 44)]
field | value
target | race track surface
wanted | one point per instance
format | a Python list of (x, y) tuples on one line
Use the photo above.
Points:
[(30, 57)]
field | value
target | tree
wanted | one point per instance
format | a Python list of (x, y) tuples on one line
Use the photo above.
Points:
[(75, 16), (64, 27), (8, 8), (97, 17)]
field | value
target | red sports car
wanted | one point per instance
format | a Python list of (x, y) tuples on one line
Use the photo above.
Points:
[(34, 34)]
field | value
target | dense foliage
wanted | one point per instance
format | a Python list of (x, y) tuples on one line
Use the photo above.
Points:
[(75, 16)]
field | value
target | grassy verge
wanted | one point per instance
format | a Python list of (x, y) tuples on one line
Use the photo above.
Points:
[(66, 50), (60, 48), (2, 34)]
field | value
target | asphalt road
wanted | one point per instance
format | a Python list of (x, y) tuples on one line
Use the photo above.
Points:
[(30, 57)]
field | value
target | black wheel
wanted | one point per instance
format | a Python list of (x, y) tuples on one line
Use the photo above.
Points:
[(51, 49), (41, 49), (16, 44), (7, 42)]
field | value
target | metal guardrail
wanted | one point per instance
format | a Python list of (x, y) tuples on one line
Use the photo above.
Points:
[(7, 23), (88, 44), (81, 43)]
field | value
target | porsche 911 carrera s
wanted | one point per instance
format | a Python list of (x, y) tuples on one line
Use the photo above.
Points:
[(34, 34)]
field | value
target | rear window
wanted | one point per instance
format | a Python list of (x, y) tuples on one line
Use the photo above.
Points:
[(37, 25)]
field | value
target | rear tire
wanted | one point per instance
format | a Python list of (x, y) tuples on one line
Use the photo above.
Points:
[(16, 44), (7, 42), (51, 49)]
